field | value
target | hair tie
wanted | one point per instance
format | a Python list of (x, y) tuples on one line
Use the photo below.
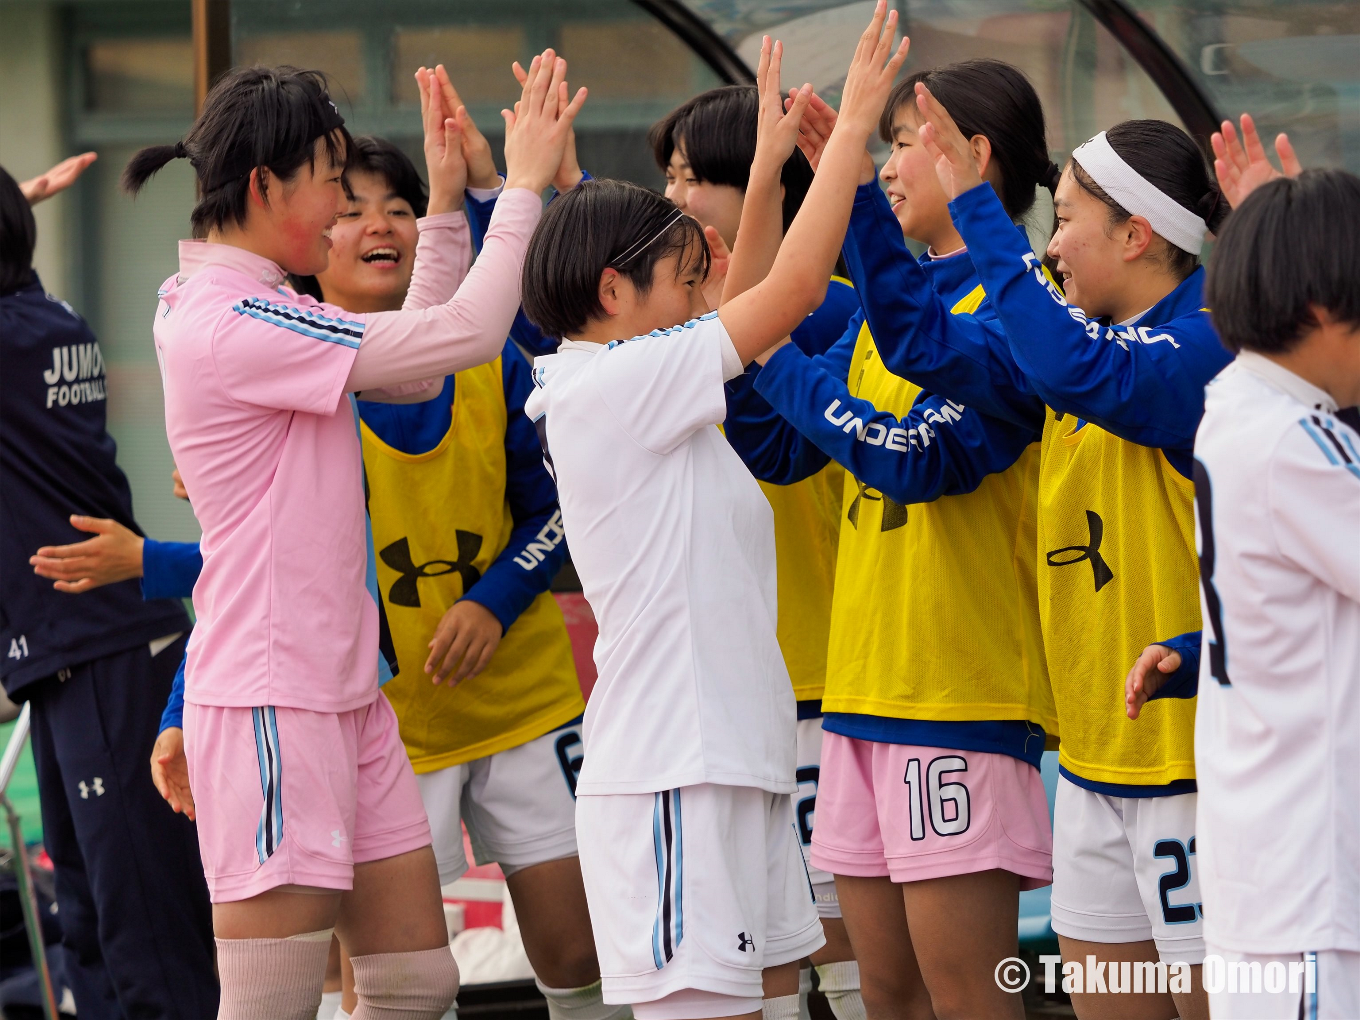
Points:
[(180, 151), (1213, 206), (1051, 176), (639, 247)]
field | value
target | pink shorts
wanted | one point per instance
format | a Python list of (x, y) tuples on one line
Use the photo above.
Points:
[(290, 797), (913, 813)]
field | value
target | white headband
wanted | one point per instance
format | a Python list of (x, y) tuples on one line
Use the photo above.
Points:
[(1124, 184)]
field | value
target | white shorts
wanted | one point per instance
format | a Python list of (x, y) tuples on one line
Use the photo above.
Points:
[(1264, 986), (804, 808), (519, 805), (1124, 871), (697, 888)]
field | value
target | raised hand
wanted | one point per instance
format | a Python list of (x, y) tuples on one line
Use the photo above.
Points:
[(569, 170), (956, 164), (871, 75), (59, 178), (1242, 166), (776, 129), (1146, 677), (819, 120), (114, 554), (721, 257), (481, 165), (814, 130), (444, 162), (538, 129)]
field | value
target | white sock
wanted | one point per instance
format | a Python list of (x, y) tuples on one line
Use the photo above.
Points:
[(781, 1007), (340, 1013), (839, 982), (330, 1004), (804, 987), (584, 1003)]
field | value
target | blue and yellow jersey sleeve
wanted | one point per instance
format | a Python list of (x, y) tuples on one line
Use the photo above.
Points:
[(770, 446), (536, 550), (170, 569), (940, 448), (1182, 682), (1144, 384), (173, 715), (943, 338)]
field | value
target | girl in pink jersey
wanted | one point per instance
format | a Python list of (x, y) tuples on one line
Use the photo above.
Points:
[(309, 817)]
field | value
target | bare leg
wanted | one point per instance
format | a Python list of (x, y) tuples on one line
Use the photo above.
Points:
[(890, 979), (1145, 1006), (837, 946), (554, 921), (962, 927)]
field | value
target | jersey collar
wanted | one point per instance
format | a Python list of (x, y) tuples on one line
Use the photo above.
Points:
[(1278, 377), (195, 256)]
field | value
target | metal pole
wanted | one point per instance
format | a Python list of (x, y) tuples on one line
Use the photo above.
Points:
[(28, 898)]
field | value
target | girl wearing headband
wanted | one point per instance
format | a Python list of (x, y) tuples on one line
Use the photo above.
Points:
[(936, 668), (308, 813), (1112, 368), (699, 897)]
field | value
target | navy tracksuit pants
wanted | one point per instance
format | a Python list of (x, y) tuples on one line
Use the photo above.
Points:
[(131, 898)]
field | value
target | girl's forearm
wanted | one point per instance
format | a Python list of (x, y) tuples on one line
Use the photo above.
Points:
[(759, 233)]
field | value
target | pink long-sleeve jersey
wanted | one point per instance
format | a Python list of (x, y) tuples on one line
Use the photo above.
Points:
[(256, 378)]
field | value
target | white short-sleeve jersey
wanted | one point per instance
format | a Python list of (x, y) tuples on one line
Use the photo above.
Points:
[(674, 544), (1277, 736)]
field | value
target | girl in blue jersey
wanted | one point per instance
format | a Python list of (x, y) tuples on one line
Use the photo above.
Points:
[(968, 719), (1113, 368)]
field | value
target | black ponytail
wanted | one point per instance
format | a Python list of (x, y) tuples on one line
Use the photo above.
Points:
[(598, 225), (254, 117), (994, 99), (1168, 159)]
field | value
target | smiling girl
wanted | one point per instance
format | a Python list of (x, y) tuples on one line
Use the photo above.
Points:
[(936, 669), (699, 897), (1113, 371), (309, 815)]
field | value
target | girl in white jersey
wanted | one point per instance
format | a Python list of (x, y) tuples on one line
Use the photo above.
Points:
[(699, 898), (308, 813)]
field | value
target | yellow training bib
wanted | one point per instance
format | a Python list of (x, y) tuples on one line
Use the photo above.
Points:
[(1117, 571), (440, 519), (935, 614)]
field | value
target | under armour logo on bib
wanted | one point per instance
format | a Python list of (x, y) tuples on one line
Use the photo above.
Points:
[(894, 513), (1099, 568), (405, 590)]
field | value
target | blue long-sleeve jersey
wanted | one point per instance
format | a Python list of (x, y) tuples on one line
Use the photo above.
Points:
[(1143, 381), (787, 419)]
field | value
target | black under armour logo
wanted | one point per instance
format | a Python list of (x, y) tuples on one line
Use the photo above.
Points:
[(1103, 574), (894, 513), (405, 590), (745, 943)]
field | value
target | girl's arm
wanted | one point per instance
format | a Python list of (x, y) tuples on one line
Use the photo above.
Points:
[(443, 258), (796, 285), (1143, 384), (536, 550), (769, 444), (919, 338), (170, 569), (401, 347), (939, 449)]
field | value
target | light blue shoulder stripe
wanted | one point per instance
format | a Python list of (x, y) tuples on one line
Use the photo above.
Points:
[(1327, 449)]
